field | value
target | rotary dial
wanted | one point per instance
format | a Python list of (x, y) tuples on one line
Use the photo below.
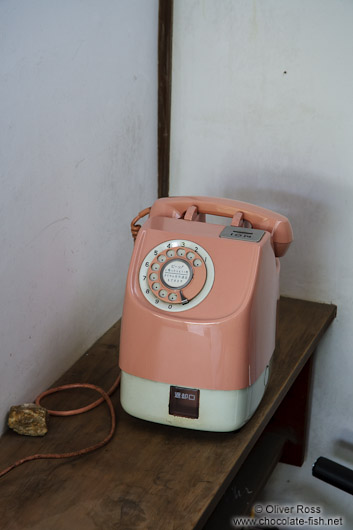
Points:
[(176, 275)]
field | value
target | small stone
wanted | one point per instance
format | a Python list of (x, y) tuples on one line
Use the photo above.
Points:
[(28, 419)]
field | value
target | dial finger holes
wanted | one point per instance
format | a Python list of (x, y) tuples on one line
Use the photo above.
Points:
[(174, 271)]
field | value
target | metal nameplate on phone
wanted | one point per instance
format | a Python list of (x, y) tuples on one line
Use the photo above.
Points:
[(242, 234), (184, 402)]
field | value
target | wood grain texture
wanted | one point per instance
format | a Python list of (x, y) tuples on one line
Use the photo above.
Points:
[(165, 45), (150, 476), (292, 416), (248, 482)]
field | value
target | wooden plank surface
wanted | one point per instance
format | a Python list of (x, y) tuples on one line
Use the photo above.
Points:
[(240, 496), (150, 476)]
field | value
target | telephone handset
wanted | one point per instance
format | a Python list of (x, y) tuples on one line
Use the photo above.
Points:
[(260, 218), (199, 320)]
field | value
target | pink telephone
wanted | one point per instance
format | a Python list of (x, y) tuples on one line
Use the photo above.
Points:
[(199, 320)]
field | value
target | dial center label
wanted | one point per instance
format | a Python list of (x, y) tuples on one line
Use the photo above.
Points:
[(176, 274)]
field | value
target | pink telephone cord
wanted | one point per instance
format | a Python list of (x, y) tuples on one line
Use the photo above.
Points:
[(105, 397)]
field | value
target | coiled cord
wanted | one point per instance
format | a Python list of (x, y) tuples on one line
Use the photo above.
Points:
[(105, 397), (134, 227)]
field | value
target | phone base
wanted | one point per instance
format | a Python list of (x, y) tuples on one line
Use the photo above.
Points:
[(212, 410)]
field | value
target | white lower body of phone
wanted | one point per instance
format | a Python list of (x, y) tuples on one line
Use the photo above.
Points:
[(219, 410)]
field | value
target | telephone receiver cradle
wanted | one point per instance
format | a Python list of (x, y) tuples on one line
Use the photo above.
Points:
[(199, 319)]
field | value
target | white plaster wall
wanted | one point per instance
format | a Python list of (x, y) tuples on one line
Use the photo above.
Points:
[(262, 112), (78, 98)]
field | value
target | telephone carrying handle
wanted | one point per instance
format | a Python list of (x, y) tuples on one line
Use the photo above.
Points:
[(260, 218)]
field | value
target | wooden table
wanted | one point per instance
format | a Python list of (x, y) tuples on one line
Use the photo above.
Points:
[(153, 476)]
